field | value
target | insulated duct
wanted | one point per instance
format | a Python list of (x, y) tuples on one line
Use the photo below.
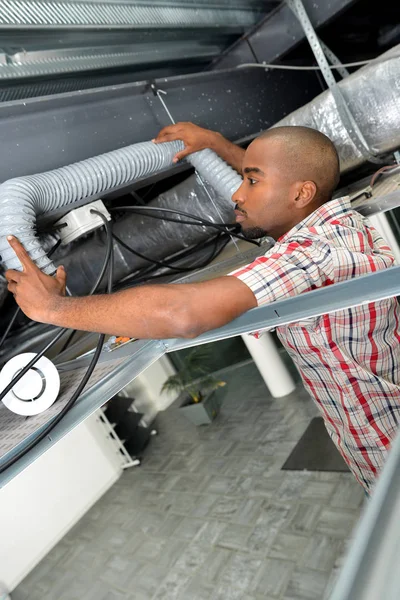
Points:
[(373, 96), (23, 198), (157, 239)]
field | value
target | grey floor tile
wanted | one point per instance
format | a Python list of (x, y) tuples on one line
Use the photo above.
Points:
[(173, 585), (170, 525), (249, 512), (275, 577), (234, 536), (198, 589), (209, 535), (215, 563), (288, 546), (221, 485), (151, 549), (178, 503), (321, 552), (202, 505), (303, 518), (336, 522), (240, 576), (148, 580), (176, 547), (293, 485), (349, 494), (273, 515), (306, 585), (119, 570), (226, 507), (188, 483), (189, 528), (318, 491)]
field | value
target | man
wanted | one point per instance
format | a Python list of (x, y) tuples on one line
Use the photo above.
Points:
[(349, 360)]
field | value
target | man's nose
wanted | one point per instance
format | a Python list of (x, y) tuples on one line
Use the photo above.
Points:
[(238, 196)]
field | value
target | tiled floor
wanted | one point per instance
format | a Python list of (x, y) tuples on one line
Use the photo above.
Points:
[(210, 515)]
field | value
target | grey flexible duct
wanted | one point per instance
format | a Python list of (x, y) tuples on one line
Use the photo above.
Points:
[(23, 198)]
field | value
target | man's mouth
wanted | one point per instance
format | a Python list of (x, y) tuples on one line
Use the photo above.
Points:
[(240, 216)]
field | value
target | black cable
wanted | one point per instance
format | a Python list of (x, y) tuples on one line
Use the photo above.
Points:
[(109, 251), (99, 279), (220, 226), (128, 281), (80, 387), (68, 341), (9, 326), (141, 274), (154, 261), (17, 310)]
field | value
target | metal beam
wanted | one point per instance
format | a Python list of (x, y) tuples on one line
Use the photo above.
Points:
[(127, 14), (278, 33), (371, 569), (362, 290), (40, 134)]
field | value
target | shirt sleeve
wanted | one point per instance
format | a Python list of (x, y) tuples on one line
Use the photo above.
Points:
[(288, 270)]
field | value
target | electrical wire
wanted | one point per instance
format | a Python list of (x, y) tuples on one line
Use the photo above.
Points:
[(45, 432), (221, 227), (358, 63), (377, 174), (141, 274), (154, 261), (109, 251), (136, 279), (17, 310)]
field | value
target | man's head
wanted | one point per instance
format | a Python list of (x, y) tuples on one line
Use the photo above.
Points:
[(288, 172)]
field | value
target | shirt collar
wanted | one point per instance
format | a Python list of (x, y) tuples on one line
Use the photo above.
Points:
[(323, 214)]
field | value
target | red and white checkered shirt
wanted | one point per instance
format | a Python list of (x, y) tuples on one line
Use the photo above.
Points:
[(349, 360)]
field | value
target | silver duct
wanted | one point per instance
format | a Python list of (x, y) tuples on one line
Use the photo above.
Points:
[(373, 96), (154, 238)]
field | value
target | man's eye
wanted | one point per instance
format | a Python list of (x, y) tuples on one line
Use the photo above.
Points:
[(252, 181)]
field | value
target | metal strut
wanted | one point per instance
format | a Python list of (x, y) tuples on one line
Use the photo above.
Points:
[(345, 114)]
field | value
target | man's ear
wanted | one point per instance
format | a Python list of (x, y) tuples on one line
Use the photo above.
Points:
[(306, 192)]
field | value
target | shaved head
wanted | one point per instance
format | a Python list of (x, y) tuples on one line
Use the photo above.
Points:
[(308, 155), (288, 173)]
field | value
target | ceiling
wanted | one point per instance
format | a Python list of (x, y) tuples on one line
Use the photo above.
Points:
[(41, 39)]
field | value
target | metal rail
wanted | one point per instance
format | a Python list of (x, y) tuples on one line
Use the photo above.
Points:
[(73, 126), (126, 14), (278, 33)]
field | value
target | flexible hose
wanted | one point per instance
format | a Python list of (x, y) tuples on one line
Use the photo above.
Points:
[(24, 198)]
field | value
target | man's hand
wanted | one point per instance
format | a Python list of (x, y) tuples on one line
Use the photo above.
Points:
[(197, 138), (34, 292), (194, 137)]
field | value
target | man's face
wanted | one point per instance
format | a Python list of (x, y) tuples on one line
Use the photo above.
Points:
[(265, 200)]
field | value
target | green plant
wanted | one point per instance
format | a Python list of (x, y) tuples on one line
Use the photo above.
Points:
[(193, 377)]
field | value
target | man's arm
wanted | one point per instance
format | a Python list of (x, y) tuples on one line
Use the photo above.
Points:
[(197, 138), (148, 312)]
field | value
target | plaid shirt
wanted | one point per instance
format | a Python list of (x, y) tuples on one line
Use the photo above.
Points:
[(349, 360)]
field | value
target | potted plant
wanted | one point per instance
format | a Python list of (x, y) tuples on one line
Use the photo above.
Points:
[(198, 386)]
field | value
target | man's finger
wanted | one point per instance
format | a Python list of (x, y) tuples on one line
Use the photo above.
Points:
[(168, 137), (181, 154), (12, 275), (61, 275), (12, 287), (20, 251)]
